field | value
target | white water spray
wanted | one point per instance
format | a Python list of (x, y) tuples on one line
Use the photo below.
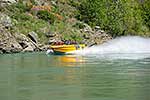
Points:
[(121, 45)]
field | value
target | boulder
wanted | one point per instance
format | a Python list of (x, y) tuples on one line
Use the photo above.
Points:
[(9, 1), (50, 34), (28, 49), (8, 43), (5, 20), (1, 52), (44, 48), (97, 27), (28, 42), (42, 2), (22, 40), (87, 28), (21, 37), (94, 36), (33, 36), (4, 3)]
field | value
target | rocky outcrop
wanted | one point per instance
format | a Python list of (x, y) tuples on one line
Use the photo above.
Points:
[(11, 40), (29, 48), (42, 2), (33, 36), (7, 2), (94, 36), (17, 43), (8, 42), (5, 20), (30, 43), (91, 36)]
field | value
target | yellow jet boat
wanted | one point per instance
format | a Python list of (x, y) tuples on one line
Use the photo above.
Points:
[(64, 49)]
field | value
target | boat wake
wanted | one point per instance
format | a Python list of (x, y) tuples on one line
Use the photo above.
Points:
[(126, 47)]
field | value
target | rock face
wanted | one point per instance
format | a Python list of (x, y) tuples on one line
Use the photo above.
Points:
[(94, 36), (8, 42), (33, 36), (7, 2), (16, 42), (10, 1), (29, 43), (42, 2), (5, 20), (29, 48)]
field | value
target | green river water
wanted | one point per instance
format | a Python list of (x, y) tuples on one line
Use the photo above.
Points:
[(37, 76)]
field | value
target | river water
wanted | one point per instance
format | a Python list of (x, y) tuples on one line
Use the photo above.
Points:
[(117, 70), (37, 76)]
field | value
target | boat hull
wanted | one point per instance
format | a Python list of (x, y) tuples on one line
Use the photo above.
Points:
[(63, 49)]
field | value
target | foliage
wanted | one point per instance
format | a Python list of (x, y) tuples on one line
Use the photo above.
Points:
[(79, 25), (47, 16), (119, 17), (145, 7), (67, 31), (31, 25), (21, 16)]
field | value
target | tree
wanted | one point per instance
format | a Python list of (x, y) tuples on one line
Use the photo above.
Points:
[(118, 17), (145, 7)]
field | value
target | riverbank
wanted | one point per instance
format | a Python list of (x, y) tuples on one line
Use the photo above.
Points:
[(27, 26), (19, 42)]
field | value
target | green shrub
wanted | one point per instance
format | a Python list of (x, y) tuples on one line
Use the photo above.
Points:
[(79, 25), (118, 17), (145, 7), (17, 8), (21, 16), (47, 16)]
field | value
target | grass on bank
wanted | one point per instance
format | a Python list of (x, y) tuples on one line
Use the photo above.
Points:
[(24, 21)]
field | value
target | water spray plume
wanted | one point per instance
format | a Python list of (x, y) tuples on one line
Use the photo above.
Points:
[(121, 45)]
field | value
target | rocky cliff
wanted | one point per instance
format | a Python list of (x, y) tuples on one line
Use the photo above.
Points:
[(22, 29)]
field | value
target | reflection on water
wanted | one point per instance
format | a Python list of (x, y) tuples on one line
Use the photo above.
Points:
[(40, 77), (69, 60)]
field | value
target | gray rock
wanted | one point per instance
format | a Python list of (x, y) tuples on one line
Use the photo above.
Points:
[(11, 45), (97, 27), (5, 20), (95, 36), (15, 44), (41, 2), (22, 40), (87, 28), (44, 47), (28, 49), (27, 42), (54, 3), (50, 34), (1, 52), (8, 43), (86, 36), (33, 36), (9, 1), (21, 37), (4, 3)]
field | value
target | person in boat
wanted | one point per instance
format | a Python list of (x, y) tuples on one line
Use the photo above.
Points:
[(66, 42), (69, 42), (58, 43)]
